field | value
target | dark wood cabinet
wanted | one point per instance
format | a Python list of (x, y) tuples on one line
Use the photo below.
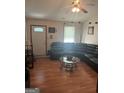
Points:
[(29, 58)]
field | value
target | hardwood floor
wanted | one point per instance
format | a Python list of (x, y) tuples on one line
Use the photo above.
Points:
[(47, 76)]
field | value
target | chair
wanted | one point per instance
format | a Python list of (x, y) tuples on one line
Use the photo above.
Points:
[(27, 78), (29, 56)]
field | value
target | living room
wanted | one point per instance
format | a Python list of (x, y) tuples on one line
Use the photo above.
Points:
[(56, 29), (61, 68)]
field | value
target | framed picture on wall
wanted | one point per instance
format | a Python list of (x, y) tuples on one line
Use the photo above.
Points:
[(90, 30), (52, 29)]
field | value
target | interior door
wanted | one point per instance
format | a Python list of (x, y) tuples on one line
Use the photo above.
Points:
[(39, 40)]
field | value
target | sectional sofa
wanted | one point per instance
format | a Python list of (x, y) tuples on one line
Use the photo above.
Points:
[(86, 52)]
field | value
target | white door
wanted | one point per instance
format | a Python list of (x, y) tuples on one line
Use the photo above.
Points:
[(39, 40)]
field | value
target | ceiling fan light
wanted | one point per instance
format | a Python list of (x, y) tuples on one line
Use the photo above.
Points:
[(77, 9), (74, 9)]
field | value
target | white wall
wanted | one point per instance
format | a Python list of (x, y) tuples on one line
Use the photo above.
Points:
[(58, 35), (86, 38)]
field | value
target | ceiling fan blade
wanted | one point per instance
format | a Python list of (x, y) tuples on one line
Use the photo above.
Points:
[(85, 11)]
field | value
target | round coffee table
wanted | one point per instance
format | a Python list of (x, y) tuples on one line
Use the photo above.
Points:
[(69, 63)]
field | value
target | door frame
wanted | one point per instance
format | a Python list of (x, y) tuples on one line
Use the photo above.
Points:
[(45, 36)]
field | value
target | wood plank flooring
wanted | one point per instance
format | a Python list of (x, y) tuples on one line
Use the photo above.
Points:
[(47, 76)]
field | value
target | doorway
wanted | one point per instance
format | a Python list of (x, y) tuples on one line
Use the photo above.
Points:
[(39, 40)]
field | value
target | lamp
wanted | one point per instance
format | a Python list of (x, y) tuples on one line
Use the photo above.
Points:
[(75, 9), (76, 6)]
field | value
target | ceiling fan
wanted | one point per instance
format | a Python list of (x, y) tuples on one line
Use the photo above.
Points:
[(77, 7)]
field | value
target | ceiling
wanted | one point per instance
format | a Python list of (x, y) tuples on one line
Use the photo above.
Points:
[(60, 10)]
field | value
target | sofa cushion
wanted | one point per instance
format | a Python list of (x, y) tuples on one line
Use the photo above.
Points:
[(94, 60), (89, 55)]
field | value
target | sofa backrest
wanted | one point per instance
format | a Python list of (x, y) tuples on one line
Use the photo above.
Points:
[(92, 49), (77, 47), (56, 45)]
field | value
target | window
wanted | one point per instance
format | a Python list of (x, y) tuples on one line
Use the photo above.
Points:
[(69, 34), (38, 29)]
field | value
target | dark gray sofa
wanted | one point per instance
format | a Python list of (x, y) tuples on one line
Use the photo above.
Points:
[(86, 52), (91, 56), (59, 49)]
